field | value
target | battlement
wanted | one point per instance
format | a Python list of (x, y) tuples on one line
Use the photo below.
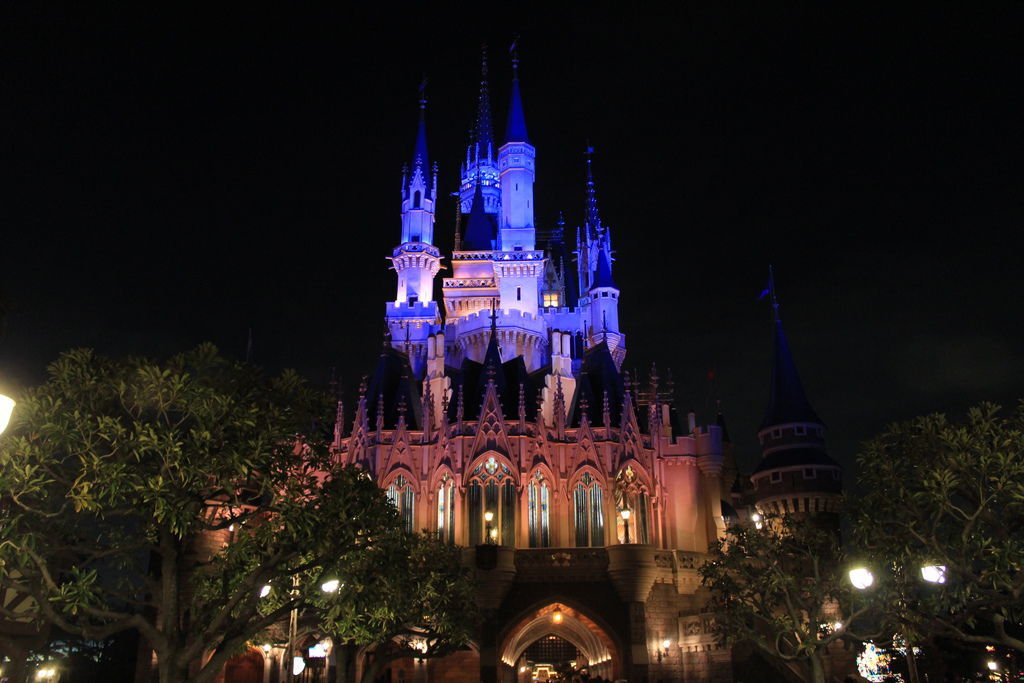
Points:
[(407, 310), (481, 320)]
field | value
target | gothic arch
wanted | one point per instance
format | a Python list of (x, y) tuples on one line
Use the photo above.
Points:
[(398, 471), (588, 632), (482, 459)]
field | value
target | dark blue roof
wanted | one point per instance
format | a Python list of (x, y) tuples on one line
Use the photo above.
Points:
[(479, 228), (392, 379), (598, 375), (794, 457), (604, 270), (515, 128), (786, 399)]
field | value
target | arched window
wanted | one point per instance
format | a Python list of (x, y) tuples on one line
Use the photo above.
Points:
[(492, 490), (540, 501), (589, 515), (416, 199), (446, 510), (402, 496), (631, 495)]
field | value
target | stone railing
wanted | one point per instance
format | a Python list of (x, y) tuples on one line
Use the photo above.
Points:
[(562, 564)]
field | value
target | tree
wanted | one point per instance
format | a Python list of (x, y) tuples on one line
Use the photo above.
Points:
[(407, 595), (163, 497), (950, 495), (781, 588)]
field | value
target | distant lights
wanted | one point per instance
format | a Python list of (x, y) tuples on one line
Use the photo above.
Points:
[(992, 665)]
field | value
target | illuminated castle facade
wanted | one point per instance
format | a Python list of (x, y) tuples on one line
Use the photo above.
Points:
[(499, 418)]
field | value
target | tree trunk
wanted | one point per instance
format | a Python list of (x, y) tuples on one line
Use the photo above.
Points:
[(169, 673), (912, 675), (344, 662), (815, 668), (372, 670)]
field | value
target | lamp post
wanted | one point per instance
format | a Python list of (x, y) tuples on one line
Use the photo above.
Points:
[(626, 512), (488, 518), (6, 408)]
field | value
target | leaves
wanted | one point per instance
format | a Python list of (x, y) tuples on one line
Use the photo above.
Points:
[(176, 489), (951, 494)]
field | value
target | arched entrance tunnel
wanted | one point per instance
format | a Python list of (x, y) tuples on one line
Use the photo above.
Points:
[(557, 638)]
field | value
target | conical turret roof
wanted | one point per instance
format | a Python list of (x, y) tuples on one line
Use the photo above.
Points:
[(786, 399), (479, 229)]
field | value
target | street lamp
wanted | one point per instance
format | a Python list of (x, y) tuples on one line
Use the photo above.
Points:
[(6, 408), (861, 578), (626, 512), (330, 586), (491, 533), (934, 573)]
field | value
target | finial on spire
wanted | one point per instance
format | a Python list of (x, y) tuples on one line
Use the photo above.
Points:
[(423, 93), (593, 218), (494, 317), (514, 51), (771, 290)]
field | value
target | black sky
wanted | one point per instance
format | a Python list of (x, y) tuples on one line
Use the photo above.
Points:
[(175, 176)]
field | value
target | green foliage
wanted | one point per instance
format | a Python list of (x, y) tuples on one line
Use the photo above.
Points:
[(402, 595), (952, 494), (124, 482), (782, 588)]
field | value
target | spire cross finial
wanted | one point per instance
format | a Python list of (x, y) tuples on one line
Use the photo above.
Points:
[(771, 291), (483, 61), (494, 317), (514, 51), (423, 93)]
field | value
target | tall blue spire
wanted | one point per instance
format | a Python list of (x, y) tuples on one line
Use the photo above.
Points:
[(786, 399), (603, 278), (479, 229), (515, 128), (419, 155), (483, 136)]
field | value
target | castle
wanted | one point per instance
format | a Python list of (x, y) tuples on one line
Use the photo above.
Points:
[(499, 417)]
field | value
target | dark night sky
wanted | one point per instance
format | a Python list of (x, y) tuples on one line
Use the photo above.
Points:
[(173, 177)]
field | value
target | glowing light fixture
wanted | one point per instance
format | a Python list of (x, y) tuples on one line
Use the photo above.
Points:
[(556, 616), (298, 665), (758, 520), (318, 650), (992, 665), (330, 586), (626, 512), (47, 674), (494, 534), (266, 648), (934, 573), (6, 408), (265, 591), (665, 644), (488, 516), (861, 578)]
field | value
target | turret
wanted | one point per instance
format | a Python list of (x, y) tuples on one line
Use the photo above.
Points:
[(602, 296), (416, 260), (795, 473), (481, 165), (517, 162)]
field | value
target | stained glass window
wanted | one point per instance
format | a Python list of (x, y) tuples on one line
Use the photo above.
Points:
[(402, 496)]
